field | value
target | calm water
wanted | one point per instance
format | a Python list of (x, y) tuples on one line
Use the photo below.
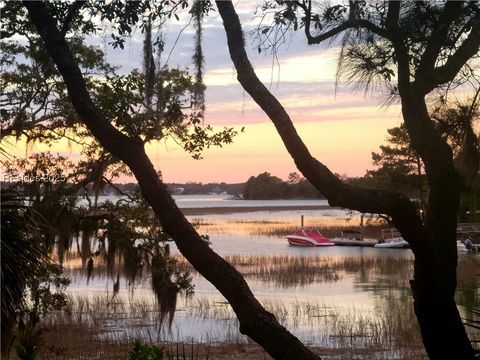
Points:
[(208, 201), (305, 287)]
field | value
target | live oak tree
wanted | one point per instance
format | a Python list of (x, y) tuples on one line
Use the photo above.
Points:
[(55, 23), (415, 48)]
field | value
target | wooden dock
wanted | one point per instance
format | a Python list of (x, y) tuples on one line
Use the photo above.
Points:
[(468, 229), (349, 242)]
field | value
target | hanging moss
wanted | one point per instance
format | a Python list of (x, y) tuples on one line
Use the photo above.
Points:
[(198, 10), (132, 263), (112, 247), (163, 287), (148, 64)]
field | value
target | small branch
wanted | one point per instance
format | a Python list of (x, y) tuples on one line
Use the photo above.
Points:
[(71, 14), (352, 22), (117, 189), (450, 12), (429, 80)]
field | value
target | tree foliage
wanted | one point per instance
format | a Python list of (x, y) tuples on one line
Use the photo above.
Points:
[(32, 284), (266, 187)]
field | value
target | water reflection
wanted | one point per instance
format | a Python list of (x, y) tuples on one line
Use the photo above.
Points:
[(337, 297)]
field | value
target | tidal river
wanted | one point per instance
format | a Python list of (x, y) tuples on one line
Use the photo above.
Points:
[(332, 297)]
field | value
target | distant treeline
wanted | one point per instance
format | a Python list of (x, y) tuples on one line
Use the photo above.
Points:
[(191, 188), (267, 187), (196, 188), (261, 187)]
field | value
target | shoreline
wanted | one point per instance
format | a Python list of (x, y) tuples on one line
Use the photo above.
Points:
[(243, 209)]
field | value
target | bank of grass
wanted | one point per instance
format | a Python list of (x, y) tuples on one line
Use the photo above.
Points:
[(105, 328), (93, 328), (280, 229), (243, 209), (298, 271), (328, 230)]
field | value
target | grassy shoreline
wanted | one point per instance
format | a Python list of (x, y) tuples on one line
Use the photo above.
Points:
[(106, 328), (243, 209)]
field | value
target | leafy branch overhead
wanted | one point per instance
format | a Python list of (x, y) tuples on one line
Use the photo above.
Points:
[(368, 32), (157, 103)]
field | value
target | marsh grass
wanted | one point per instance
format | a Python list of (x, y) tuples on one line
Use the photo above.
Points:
[(330, 230), (300, 271), (330, 227), (105, 327), (94, 329), (99, 327)]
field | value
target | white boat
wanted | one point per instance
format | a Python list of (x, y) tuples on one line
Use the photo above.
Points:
[(461, 248), (470, 249), (392, 239)]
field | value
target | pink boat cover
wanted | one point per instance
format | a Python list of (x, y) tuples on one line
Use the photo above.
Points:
[(312, 233)]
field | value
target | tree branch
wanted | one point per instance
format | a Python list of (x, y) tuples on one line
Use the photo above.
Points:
[(352, 22), (307, 9), (71, 14), (254, 320), (428, 80), (450, 12)]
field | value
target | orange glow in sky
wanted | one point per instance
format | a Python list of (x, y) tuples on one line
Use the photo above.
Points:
[(341, 128)]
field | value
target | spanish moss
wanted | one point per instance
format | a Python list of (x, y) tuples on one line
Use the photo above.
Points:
[(198, 10), (148, 64)]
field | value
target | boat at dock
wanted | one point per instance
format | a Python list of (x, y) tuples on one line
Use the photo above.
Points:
[(308, 236), (461, 248), (465, 230), (353, 238), (392, 239)]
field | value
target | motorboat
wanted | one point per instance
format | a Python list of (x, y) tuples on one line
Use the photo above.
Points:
[(352, 238), (461, 248), (352, 235), (392, 239), (308, 236)]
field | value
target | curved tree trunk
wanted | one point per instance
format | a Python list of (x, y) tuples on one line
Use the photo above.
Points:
[(255, 321), (434, 244), (434, 283)]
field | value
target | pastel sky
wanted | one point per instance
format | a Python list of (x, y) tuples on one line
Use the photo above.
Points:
[(341, 128)]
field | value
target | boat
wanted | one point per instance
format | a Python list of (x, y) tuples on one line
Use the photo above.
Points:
[(352, 238), (392, 239), (461, 248), (308, 236)]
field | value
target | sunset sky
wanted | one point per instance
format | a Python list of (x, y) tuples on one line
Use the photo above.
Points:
[(341, 128)]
